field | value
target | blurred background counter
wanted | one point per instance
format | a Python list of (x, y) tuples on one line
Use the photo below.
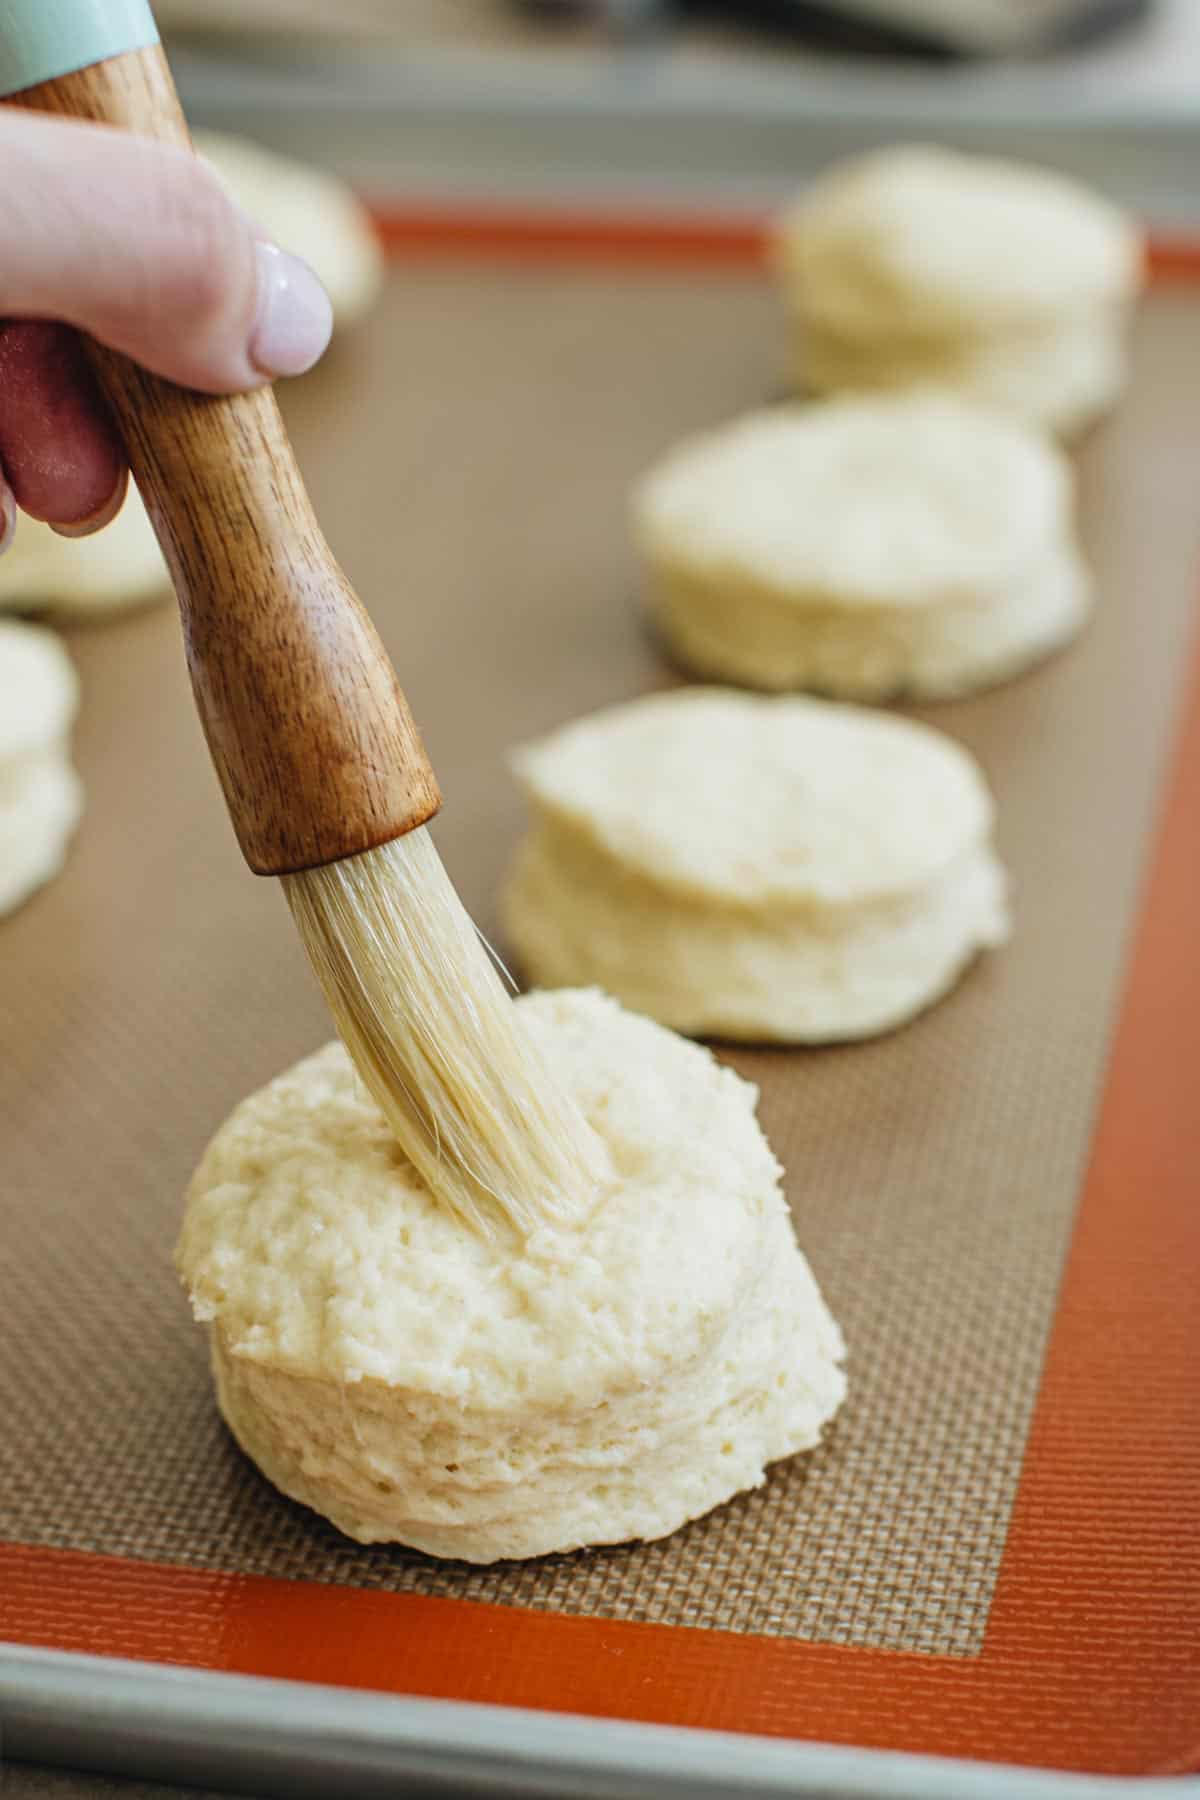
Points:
[(693, 108)]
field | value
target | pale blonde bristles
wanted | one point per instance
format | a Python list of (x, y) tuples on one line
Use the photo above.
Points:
[(438, 1042)]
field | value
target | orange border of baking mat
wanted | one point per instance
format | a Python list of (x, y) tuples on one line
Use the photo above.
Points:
[(737, 240), (1092, 1654)]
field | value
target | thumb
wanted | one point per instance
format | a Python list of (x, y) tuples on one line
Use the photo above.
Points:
[(138, 244)]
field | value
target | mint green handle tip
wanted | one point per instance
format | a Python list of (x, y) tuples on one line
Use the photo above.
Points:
[(42, 39)]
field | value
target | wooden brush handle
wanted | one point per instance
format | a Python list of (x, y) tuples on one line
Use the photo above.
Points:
[(308, 728)]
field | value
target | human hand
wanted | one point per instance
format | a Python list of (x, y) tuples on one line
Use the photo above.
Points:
[(137, 244)]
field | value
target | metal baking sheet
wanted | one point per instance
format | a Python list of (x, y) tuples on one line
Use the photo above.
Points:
[(464, 101), (995, 1554)]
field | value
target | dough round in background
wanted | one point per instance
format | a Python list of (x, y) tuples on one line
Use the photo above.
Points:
[(112, 570), (305, 210), (863, 548), (917, 266), (40, 795), (421, 1385), (784, 870)]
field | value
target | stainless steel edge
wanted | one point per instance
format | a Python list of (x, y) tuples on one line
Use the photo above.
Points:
[(628, 85), (633, 130), (290, 1738)]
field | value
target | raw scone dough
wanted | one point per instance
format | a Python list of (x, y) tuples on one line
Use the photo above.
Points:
[(118, 567), (918, 266), (863, 548), (40, 795), (418, 1384), (305, 210), (763, 869)]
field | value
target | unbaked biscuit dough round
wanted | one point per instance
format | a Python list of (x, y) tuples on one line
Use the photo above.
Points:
[(116, 568), (863, 548), (40, 794), (305, 210), (419, 1384), (760, 869), (916, 266)]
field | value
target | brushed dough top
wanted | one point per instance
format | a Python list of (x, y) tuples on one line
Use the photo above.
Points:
[(310, 1241), (910, 501), (39, 690), (757, 801), (943, 241)]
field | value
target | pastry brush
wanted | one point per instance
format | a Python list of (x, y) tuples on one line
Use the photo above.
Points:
[(324, 775)]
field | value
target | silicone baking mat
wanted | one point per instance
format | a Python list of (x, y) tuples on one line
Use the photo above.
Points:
[(995, 1552)]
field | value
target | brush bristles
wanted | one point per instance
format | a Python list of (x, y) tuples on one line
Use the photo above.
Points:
[(438, 1041)]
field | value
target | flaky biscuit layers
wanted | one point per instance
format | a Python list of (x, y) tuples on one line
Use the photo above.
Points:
[(418, 1384), (919, 266), (762, 869), (862, 548)]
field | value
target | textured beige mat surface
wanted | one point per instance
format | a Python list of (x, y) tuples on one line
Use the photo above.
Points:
[(470, 452)]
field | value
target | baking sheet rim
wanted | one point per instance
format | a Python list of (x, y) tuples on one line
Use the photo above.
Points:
[(157, 1720)]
